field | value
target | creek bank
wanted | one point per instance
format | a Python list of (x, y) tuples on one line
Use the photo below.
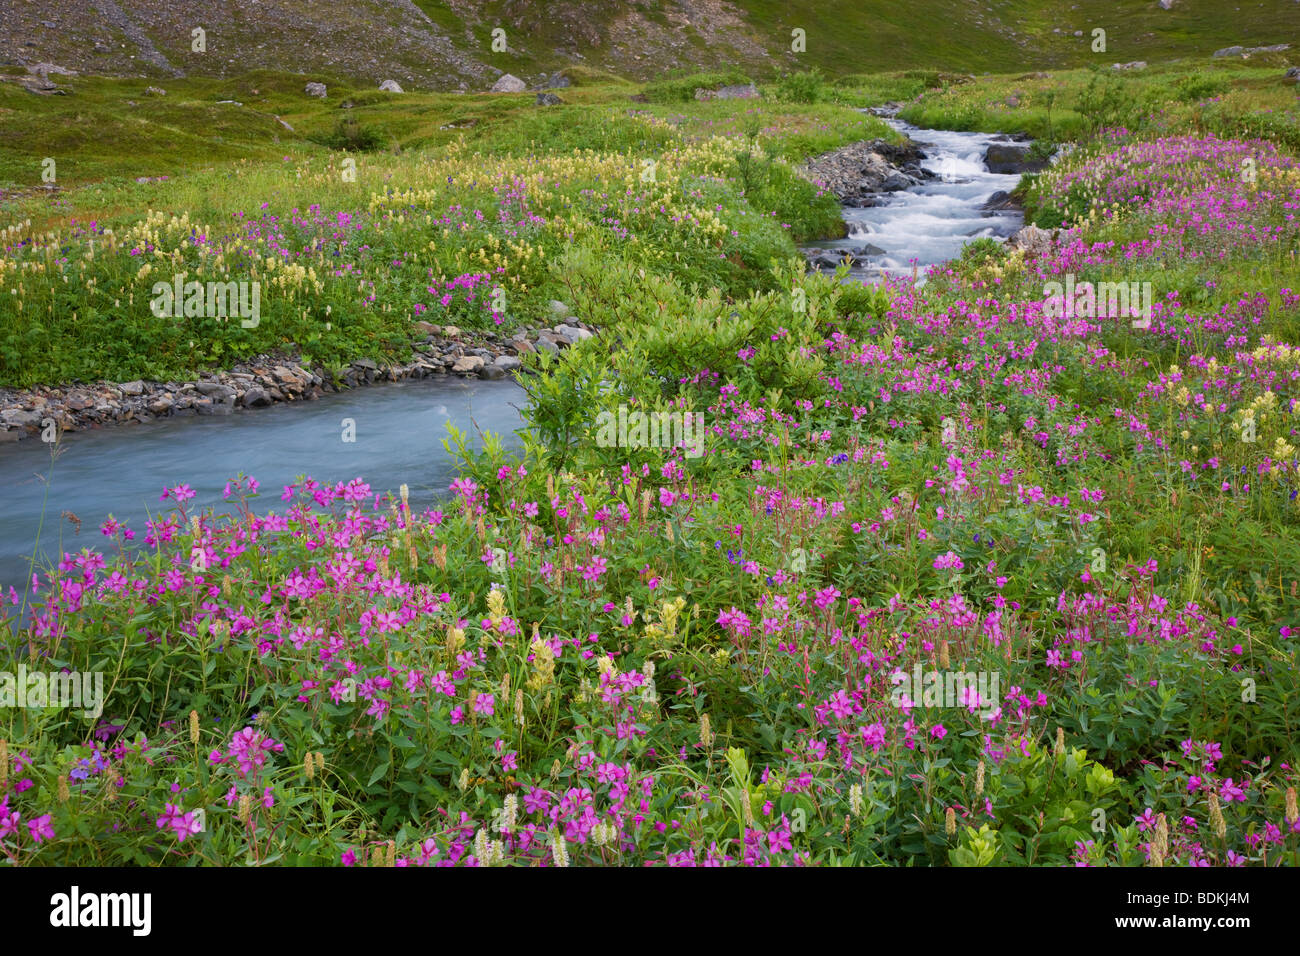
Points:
[(278, 378), (859, 173)]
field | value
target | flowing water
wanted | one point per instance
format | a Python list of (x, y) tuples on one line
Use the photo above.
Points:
[(931, 222), (400, 426), (399, 429)]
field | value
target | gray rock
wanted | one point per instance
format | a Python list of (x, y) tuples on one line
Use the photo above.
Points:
[(1229, 51), (1167, 4), (1033, 240), (572, 333), (558, 309), (207, 407), (744, 91), (549, 99), (132, 388), (390, 86), (546, 345), (1293, 73), (154, 91), (315, 89), (215, 390), (558, 81), (256, 398), (366, 364), (1009, 158), (509, 83), (468, 363), (492, 372), (20, 417), (1131, 65), (507, 362), (999, 200)]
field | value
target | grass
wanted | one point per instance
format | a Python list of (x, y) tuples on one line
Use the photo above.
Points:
[(946, 477)]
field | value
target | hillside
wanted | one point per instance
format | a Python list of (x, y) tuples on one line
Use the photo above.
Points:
[(448, 46)]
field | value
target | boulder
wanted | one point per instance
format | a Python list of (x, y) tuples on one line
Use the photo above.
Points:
[(509, 83), (154, 91), (390, 86), (20, 417), (256, 398), (132, 388), (549, 99), (468, 363), (492, 372), (1007, 158), (558, 81), (744, 91), (572, 333), (315, 89), (1229, 51), (1033, 240), (1293, 74), (999, 200), (507, 362), (216, 391)]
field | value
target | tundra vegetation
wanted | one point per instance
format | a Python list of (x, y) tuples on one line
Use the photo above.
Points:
[(592, 653)]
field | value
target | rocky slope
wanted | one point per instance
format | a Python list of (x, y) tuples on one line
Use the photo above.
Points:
[(448, 44)]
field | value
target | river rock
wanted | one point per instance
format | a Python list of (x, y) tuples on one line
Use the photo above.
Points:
[(216, 391), (468, 363), (256, 398), (998, 201), (20, 417), (132, 388), (491, 372), (857, 173), (508, 363), (1009, 158), (545, 344)]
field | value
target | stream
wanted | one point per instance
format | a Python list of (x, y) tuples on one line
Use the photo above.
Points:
[(399, 427), (930, 223)]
